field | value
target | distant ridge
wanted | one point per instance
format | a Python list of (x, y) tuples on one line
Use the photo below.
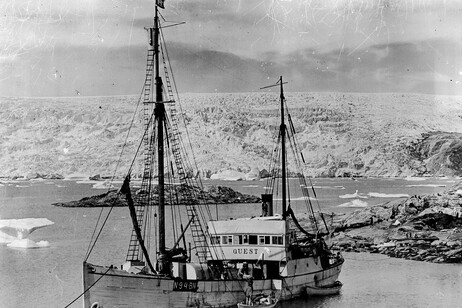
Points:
[(340, 134)]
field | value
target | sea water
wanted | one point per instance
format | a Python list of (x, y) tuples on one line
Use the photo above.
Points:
[(52, 276)]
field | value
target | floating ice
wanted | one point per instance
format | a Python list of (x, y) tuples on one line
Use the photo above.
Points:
[(414, 179), (354, 203), (14, 232), (297, 199), (103, 185), (380, 195), (427, 185), (328, 187), (27, 243), (76, 177), (353, 196)]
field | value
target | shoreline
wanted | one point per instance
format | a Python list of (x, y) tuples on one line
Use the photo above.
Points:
[(420, 228)]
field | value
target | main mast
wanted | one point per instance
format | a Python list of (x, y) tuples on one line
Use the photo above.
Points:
[(159, 113), (282, 130)]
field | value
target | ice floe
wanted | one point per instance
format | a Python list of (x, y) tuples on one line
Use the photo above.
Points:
[(329, 187), (76, 177), (426, 185), (103, 185), (414, 179), (356, 195), (380, 195), (27, 243), (14, 232), (355, 203)]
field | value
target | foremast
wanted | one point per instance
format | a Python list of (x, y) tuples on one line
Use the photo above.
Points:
[(159, 113), (154, 105), (161, 138)]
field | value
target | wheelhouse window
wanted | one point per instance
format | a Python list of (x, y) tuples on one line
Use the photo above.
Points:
[(264, 240), (227, 239), (241, 239), (253, 239), (247, 239), (277, 240)]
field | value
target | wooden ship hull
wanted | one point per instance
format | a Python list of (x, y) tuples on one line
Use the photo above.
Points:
[(119, 288)]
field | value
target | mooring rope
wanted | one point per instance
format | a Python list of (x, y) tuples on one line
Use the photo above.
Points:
[(88, 289)]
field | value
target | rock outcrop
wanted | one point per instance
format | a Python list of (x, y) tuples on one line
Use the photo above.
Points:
[(214, 195), (423, 228)]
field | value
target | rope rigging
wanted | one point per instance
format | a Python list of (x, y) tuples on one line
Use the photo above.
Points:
[(298, 159)]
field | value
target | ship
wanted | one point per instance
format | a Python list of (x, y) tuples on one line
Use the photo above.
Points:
[(229, 262)]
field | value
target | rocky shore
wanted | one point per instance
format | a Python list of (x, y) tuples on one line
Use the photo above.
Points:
[(213, 195), (422, 228)]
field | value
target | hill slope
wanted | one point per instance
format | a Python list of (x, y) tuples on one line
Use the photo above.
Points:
[(339, 134)]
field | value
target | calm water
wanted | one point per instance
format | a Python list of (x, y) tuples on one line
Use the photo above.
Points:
[(51, 277)]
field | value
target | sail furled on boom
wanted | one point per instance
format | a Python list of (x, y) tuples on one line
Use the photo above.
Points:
[(125, 189)]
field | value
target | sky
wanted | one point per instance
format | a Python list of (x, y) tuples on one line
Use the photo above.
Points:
[(98, 47)]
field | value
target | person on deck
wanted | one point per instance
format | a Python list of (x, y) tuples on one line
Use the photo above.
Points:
[(244, 271), (249, 292)]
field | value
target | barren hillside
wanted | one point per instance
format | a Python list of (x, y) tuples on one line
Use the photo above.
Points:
[(339, 134)]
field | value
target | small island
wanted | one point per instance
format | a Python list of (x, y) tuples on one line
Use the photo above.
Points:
[(213, 195)]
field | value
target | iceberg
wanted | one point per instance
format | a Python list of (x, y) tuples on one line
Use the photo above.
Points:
[(354, 203), (27, 243), (228, 175), (103, 185), (14, 232), (353, 196), (380, 195)]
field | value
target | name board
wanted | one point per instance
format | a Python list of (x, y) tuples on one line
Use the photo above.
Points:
[(185, 285), (245, 251)]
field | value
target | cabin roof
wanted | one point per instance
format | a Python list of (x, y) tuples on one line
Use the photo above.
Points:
[(255, 225)]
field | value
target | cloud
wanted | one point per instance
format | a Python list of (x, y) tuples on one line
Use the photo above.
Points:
[(400, 67), (98, 46)]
